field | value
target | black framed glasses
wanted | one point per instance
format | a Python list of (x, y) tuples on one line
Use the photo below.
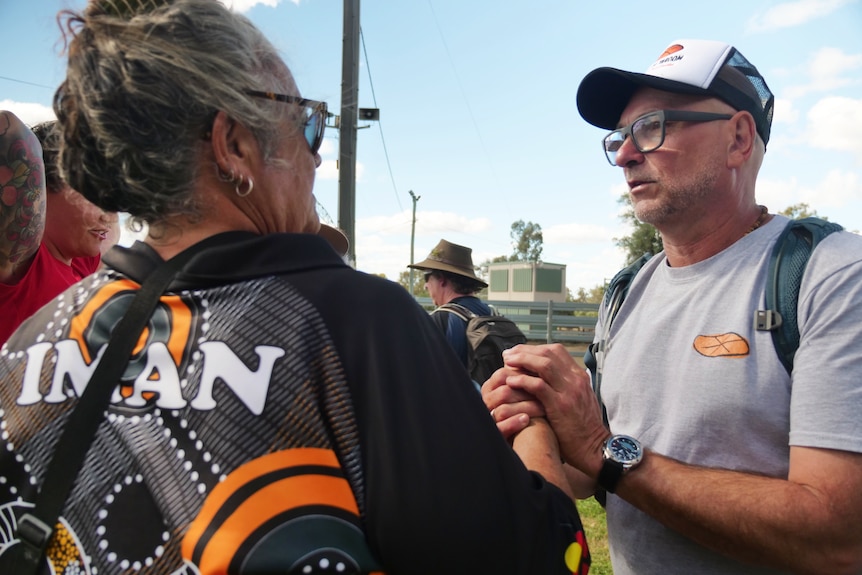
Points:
[(427, 276), (647, 132), (315, 115)]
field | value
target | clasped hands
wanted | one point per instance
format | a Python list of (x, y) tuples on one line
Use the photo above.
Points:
[(545, 381)]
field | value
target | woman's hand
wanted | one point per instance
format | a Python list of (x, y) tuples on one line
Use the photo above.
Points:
[(510, 408)]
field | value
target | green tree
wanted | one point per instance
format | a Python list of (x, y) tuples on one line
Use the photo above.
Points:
[(592, 295), (799, 211), (483, 266), (418, 283), (644, 237), (527, 240)]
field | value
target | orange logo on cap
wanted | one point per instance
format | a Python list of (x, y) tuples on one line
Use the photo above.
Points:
[(671, 50)]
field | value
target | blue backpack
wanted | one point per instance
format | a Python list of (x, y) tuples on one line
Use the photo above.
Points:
[(786, 266)]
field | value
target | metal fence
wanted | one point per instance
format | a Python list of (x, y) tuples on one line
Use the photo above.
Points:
[(550, 322)]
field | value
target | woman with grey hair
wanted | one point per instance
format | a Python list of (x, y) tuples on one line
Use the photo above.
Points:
[(280, 411)]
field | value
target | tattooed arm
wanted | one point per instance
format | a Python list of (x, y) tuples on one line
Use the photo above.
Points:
[(22, 197)]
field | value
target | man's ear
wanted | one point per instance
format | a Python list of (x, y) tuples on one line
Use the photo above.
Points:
[(744, 135), (234, 147)]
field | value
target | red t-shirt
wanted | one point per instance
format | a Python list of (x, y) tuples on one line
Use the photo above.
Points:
[(45, 279)]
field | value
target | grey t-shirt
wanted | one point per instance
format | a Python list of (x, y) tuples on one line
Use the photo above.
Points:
[(687, 374)]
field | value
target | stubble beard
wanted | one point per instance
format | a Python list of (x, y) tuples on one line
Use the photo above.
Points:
[(675, 200)]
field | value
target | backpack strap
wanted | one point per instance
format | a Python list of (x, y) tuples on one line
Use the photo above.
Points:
[(784, 277), (618, 289), (615, 294), (456, 309)]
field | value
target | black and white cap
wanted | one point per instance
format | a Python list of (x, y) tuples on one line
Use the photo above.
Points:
[(699, 67)]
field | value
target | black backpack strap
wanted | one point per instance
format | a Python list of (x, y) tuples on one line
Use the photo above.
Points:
[(784, 277), (34, 529), (615, 294)]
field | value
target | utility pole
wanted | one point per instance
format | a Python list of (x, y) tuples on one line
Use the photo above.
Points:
[(347, 127), (412, 236)]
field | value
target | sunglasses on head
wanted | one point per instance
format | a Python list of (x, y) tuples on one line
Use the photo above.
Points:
[(315, 115)]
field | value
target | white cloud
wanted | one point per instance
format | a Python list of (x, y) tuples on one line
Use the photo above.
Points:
[(243, 6), (377, 254), (29, 113), (791, 14), (427, 224), (574, 233), (383, 242), (328, 169), (827, 70), (587, 270), (784, 112), (829, 63), (617, 190), (835, 123), (831, 196), (837, 189)]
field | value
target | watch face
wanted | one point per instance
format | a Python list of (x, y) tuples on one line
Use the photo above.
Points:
[(627, 450)]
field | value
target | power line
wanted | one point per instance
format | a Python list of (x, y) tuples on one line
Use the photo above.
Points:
[(379, 123), (28, 83), (464, 94)]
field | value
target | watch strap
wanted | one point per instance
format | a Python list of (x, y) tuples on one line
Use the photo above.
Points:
[(610, 475)]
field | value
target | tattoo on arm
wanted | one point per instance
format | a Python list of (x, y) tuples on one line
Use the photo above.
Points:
[(22, 192)]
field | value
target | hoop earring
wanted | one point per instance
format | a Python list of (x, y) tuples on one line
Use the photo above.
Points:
[(239, 184), (225, 177)]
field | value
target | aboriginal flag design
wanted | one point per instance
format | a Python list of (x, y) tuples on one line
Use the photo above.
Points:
[(287, 512)]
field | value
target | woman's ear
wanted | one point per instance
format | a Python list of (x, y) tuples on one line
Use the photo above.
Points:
[(744, 135), (234, 147)]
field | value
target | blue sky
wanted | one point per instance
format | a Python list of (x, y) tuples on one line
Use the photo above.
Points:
[(478, 116)]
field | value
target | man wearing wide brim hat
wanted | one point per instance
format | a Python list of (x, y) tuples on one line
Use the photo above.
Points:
[(454, 260), (450, 278)]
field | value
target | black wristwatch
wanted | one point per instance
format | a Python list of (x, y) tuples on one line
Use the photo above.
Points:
[(620, 454)]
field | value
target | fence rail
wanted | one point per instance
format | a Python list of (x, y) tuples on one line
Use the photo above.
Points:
[(550, 322)]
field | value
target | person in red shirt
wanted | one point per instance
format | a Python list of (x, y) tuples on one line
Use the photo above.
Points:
[(50, 235)]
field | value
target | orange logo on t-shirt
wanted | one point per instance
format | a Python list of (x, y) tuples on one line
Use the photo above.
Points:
[(721, 345)]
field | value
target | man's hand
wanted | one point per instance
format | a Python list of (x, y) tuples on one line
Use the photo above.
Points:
[(548, 373)]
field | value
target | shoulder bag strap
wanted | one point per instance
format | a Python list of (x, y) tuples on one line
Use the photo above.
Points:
[(34, 529)]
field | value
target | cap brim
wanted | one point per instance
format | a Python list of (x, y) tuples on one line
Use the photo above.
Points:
[(605, 92)]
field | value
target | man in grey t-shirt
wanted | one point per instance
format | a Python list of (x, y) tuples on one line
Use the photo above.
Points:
[(716, 460)]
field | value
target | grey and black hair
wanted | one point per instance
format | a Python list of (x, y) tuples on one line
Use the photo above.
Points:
[(145, 80), (462, 284)]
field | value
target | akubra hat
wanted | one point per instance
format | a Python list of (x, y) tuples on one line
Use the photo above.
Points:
[(451, 258)]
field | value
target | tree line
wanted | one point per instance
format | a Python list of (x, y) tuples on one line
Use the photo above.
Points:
[(527, 246)]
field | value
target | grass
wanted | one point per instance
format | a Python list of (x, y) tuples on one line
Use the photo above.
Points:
[(593, 518)]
